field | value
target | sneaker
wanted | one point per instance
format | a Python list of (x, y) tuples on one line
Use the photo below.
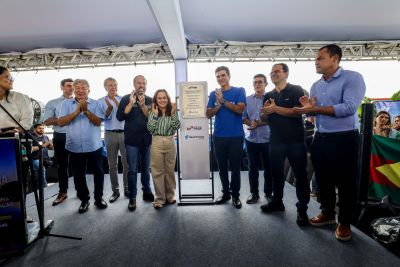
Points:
[(343, 232), (322, 219), (148, 196), (302, 218), (222, 199), (253, 198), (273, 206)]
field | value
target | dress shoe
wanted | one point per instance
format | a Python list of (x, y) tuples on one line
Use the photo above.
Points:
[(101, 204), (302, 218), (253, 198), (268, 197), (126, 193), (148, 196), (114, 197), (222, 199), (60, 198), (132, 204), (273, 206), (343, 232), (236, 202), (84, 206), (322, 219)]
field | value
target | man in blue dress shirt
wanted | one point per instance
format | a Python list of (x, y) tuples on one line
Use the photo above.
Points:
[(334, 100), (257, 140), (51, 113), (114, 137), (83, 116)]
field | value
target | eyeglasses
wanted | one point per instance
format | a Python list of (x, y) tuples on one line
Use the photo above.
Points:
[(8, 77), (275, 72), (258, 82)]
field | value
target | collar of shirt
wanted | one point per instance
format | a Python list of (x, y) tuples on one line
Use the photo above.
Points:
[(337, 74)]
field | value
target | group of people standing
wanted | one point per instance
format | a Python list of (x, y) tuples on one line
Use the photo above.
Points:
[(276, 131), (141, 129), (130, 124)]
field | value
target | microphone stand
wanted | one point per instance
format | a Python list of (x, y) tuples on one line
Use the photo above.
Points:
[(44, 230)]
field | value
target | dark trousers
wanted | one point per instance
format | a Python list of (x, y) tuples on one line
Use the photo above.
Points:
[(335, 160), (62, 156), (80, 162), (296, 153), (228, 151), (255, 152)]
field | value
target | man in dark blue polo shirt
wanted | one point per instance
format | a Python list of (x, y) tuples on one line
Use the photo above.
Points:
[(287, 141), (133, 109)]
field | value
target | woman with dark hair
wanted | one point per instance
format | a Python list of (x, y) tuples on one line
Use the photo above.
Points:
[(163, 124), (383, 126), (17, 104)]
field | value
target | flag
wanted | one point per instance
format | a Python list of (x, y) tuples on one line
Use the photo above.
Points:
[(385, 169)]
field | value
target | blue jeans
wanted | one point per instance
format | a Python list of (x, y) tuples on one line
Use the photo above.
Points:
[(255, 152), (297, 156), (35, 169), (134, 154)]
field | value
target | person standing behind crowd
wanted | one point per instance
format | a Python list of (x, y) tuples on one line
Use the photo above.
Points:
[(287, 141), (82, 116), (114, 137), (227, 105), (134, 109), (383, 126), (396, 125), (163, 124), (257, 140), (40, 139), (51, 112), (17, 104), (334, 151)]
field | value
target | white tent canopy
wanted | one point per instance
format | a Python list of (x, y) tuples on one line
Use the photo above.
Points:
[(46, 34)]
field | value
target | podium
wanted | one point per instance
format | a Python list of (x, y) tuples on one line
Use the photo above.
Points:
[(13, 227)]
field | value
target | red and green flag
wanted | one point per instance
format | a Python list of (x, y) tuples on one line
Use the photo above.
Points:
[(385, 169)]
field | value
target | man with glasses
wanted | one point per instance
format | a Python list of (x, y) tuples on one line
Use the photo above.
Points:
[(51, 112), (17, 104), (287, 141), (257, 140), (334, 151)]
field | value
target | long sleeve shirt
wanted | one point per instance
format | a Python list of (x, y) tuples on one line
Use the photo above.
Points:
[(20, 107), (164, 126)]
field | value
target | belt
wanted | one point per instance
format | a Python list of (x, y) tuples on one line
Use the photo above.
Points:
[(115, 131), (337, 133)]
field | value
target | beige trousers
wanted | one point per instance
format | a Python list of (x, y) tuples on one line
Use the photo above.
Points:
[(163, 157)]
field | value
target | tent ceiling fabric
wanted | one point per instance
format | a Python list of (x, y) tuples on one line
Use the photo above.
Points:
[(109, 32)]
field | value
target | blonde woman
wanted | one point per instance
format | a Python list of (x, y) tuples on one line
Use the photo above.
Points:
[(163, 124)]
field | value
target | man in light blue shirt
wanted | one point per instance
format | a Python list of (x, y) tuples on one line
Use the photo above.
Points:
[(83, 116), (51, 113), (257, 140), (334, 152), (114, 137)]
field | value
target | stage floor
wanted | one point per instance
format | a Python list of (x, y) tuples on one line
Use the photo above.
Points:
[(192, 235)]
